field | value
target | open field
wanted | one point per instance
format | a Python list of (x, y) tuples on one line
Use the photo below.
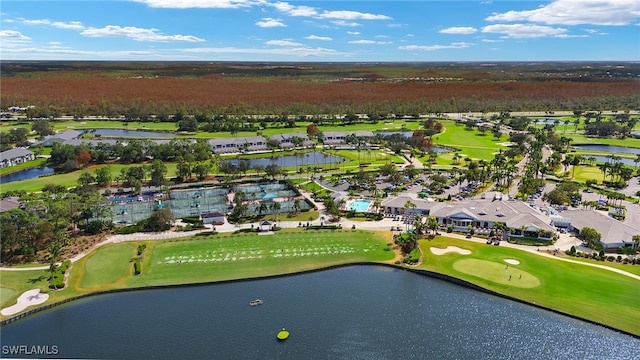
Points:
[(250, 89), (594, 294)]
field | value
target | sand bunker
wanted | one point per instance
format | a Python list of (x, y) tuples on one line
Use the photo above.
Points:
[(28, 298), (448, 249), (512, 261)]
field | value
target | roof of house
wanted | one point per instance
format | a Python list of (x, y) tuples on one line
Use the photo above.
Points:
[(67, 135), (287, 137), (9, 203), (612, 230), (400, 201), (238, 142), (212, 215), (14, 153), (358, 133)]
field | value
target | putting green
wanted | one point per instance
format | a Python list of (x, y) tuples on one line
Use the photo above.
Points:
[(6, 294), (497, 272)]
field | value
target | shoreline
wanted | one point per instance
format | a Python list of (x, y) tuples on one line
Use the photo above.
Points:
[(423, 272)]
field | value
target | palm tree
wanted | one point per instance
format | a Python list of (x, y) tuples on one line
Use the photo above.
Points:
[(262, 208), (296, 205), (637, 160), (432, 223), (54, 250)]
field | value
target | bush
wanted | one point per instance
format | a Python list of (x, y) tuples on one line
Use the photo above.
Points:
[(207, 233), (191, 219), (450, 228), (322, 227), (137, 268), (413, 257), (141, 249), (130, 229)]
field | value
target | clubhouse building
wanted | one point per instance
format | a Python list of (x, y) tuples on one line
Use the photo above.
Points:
[(481, 215)]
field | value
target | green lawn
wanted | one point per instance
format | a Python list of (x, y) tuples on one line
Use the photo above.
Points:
[(107, 265), (583, 291), (6, 295), (583, 173), (112, 124), (250, 255)]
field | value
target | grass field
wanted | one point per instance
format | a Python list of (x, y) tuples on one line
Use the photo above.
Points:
[(583, 173), (107, 265), (583, 291), (6, 295), (251, 255)]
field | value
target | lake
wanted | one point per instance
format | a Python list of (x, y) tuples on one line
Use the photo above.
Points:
[(605, 159), (132, 133), (355, 312), (26, 174), (310, 158), (608, 148)]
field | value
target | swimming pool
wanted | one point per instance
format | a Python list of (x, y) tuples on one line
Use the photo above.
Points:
[(360, 205)]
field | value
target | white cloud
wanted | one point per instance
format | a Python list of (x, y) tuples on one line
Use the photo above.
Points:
[(521, 31), (346, 23), (351, 15), (290, 51), (71, 25), (269, 23), (458, 30), (362, 42), (365, 42), (284, 42), (576, 12), (316, 37), (293, 10), (459, 45), (203, 4), (12, 35), (353, 32), (492, 41), (138, 34)]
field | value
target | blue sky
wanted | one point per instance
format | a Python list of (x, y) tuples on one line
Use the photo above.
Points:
[(334, 30)]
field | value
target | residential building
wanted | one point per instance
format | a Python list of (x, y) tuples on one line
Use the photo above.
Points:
[(15, 156), (234, 145)]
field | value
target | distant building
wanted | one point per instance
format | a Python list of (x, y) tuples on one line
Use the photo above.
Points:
[(62, 137), (216, 218), (287, 141), (15, 156), (234, 145), (9, 203), (614, 233), (340, 137)]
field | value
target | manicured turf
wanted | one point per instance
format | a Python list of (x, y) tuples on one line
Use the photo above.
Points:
[(583, 173), (497, 272), (6, 296), (107, 265), (251, 255), (583, 291)]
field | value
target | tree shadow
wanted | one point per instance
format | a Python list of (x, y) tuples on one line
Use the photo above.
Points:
[(37, 280)]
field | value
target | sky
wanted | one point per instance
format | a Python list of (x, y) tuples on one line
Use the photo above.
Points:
[(333, 30)]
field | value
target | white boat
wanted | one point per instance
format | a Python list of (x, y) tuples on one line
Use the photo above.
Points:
[(256, 302)]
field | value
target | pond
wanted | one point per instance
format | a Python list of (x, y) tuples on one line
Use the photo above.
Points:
[(26, 174), (355, 312), (308, 159), (608, 148), (132, 133), (604, 159)]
